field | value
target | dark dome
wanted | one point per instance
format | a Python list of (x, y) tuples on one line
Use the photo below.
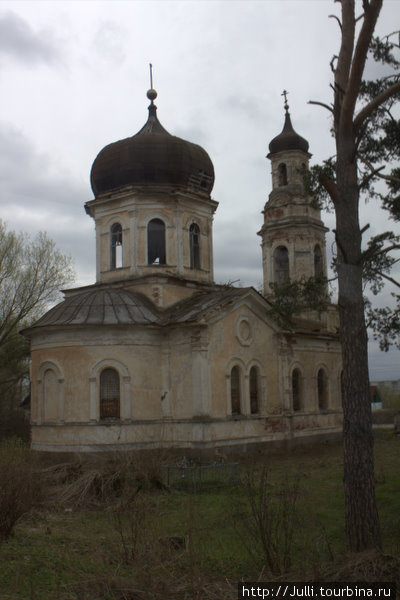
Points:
[(288, 139), (152, 156)]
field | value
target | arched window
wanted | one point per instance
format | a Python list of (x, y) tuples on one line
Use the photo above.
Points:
[(322, 386), (282, 174), (297, 389), (235, 390), (318, 264), (281, 265), (109, 394), (51, 395), (341, 386), (116, 246), (254, 383), (156, 242), (194, 240)]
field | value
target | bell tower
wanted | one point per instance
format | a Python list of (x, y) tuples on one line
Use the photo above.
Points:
[(293, 235)]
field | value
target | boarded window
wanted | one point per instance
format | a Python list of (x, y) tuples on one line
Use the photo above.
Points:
[(235, 390), (322, 385), (297, 391), (109, 394), (156, 242), (318, 264), (254, 382), (282, 174), (194, 239), (281, 265), (116, 246)]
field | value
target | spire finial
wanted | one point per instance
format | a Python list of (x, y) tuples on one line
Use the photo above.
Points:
[(151, 93), (286, 105)]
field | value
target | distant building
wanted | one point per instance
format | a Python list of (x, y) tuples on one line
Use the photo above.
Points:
[(392, 383), (155, 354), (375, 397)]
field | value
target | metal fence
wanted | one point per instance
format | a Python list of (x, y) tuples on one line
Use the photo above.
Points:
[(185, 473)]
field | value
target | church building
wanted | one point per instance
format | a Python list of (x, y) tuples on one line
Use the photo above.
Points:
[(157, 355)]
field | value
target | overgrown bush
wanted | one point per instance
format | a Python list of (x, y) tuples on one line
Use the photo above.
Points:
[(20, 487), (105, 479), (271, 522)]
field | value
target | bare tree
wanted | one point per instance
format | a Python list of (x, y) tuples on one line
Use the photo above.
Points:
[(366, 135), (31, 275)]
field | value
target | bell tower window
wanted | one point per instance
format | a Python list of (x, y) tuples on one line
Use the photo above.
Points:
[(281, 265), (156, 242), (194, 239), (282, 174), (116, 246)]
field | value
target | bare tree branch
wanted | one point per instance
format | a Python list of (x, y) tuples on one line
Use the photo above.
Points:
[(371, 14), (337, 19), (321, 104), (397, 283), (367, 111)]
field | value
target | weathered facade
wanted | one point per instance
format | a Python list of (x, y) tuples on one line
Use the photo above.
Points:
[(155, 354)]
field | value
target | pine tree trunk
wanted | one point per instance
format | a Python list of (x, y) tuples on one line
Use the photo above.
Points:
[(362, 523)]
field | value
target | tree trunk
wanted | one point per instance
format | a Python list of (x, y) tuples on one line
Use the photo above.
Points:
[(362, 523)]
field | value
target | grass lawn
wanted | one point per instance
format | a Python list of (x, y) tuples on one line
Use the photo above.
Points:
[(136, 541)]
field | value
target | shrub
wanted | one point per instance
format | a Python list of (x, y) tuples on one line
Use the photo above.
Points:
[(20, 487), (272, 520)]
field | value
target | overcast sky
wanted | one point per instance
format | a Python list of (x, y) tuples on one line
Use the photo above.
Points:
[(74, 76)]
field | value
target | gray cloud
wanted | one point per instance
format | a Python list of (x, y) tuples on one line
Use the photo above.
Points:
[(35, 195), (19, 41)]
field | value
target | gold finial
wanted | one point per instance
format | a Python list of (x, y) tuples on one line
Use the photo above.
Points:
[(151, 93)]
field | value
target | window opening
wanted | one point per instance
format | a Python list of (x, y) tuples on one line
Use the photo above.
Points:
[(281, 265), (282, 174), (156, 242), (235, 390), (322, 385), (194, 237), (318, 264), (116, 246), (296, 389), (109, 394), (254, 390)]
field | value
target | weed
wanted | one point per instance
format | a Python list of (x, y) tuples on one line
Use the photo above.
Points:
[(20, 487), (272, 520)]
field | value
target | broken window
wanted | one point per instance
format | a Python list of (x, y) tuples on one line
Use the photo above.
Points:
[(322, 386), (109, 394), (116, 246), (156, 242), (194, 238), (254, 382), (235, 390), (282, 174), (297, 390), (318, 264), (281, 265)]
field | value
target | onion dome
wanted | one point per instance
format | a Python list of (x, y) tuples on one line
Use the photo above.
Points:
[(152, 157), (288, 139)]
